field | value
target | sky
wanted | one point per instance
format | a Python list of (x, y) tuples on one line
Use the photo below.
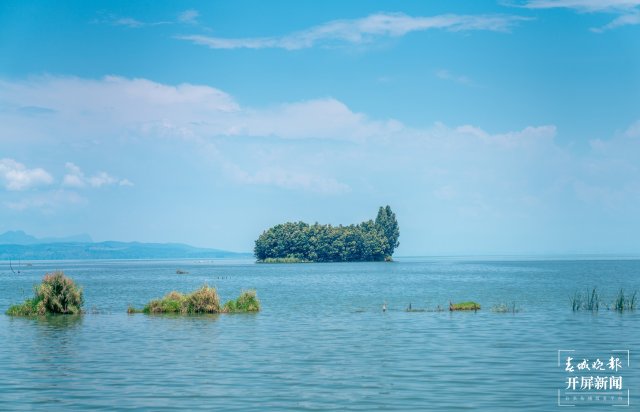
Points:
[(490, 127)]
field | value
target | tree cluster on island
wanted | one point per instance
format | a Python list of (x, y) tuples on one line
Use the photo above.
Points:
[(302, 242)]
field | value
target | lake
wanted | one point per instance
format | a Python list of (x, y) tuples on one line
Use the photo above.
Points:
[(322, 341)]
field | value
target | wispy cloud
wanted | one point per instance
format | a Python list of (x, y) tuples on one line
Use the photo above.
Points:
[(288, 179), (129, 22), (630, 19), (447, 75), (47, 202), (583, 5), (362, 31), (628, 10), (16, 176), (633, 131), (76, 178), (189, 16)]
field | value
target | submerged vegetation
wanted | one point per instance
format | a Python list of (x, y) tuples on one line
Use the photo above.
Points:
[(504, 308), (464, 306), (203, 300), (300, 242), (592, 301), (57, 294)]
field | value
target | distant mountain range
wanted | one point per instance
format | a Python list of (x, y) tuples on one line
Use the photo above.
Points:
[(18, 245)]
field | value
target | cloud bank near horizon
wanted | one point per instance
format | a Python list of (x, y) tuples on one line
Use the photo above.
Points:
[(69, 110)]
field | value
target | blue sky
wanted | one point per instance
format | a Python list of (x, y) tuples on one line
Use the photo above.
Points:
[(507, 127)]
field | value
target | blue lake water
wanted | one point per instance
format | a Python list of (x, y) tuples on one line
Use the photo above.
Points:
[(321, 341)]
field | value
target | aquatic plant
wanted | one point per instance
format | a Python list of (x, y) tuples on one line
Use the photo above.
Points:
[(587, 301), (504, 308), (470, 305), (592, 301), (57, 294), (28, 308), (203, 300), (576, 301), (622, 302), (246, 302)]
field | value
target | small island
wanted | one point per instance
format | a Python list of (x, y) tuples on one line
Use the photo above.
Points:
[(298, 242)]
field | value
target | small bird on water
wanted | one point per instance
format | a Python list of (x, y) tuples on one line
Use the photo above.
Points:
[(384, 307)]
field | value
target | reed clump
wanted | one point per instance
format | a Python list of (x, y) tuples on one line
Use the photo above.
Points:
[(592, 301), (624, 302), (246, 302), (586, 301), (57, 294), (203, 300)]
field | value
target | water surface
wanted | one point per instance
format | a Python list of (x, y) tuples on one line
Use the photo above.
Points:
[(321, 342)]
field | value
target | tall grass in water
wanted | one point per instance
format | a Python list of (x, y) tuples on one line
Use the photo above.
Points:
[(622, 302), (591, 301), (57, 294), (247, 302), (586, 301), (203, 300), (576, 301)]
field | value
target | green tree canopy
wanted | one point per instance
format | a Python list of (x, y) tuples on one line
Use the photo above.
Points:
[(386, 220), (367, 241)]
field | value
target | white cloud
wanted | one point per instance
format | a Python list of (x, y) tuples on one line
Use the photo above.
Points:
[(321, 118), (287, 179), (450, 162), (116, 106), (447, 75), (629, 10), (47, 202), (129, 22), (126, 21), (362, 31), (76, 178), (624, 20), (16, 176), (633, 131), (583, 5), (189, 16)]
